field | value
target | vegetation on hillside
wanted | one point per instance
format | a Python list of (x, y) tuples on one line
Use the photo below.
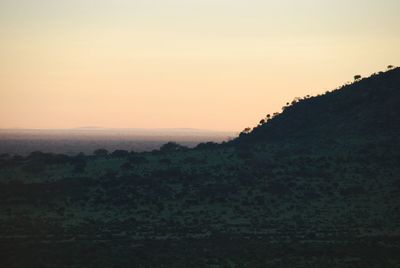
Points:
[(367, 107)]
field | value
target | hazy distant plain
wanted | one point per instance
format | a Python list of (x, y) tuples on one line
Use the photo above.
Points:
[(86, 140)]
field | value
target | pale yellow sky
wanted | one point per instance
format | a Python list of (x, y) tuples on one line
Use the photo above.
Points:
[(217, 64)]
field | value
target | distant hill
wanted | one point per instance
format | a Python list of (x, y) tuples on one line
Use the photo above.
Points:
[(369, 107)]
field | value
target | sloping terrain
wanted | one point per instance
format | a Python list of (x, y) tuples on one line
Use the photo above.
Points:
[(368, 108), (316, 186)]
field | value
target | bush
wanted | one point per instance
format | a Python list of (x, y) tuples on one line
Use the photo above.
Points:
[(172, 147), (120, 153), (100, 152)]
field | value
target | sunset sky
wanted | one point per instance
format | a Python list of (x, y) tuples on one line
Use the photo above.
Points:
[(210, 64)]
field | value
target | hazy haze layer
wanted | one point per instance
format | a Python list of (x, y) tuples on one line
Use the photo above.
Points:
[(86, 140)]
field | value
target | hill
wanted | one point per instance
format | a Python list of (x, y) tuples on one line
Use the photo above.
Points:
[(316, 186), (367, 108)]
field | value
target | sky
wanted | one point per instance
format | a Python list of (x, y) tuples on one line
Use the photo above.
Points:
[(218, 65)]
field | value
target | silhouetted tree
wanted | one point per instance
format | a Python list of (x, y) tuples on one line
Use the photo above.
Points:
[(390, 67), (172, 147), (246, 130), (206, 145), (120, 153), (296, 100), (100, 152), (357, 77)]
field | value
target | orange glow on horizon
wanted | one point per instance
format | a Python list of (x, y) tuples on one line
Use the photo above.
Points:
[(218, 65)]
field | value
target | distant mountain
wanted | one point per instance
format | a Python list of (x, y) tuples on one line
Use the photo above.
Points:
[(367, 108)]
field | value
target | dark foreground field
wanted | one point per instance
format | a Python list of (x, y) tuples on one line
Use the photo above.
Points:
[(224, 207), (228, 251)]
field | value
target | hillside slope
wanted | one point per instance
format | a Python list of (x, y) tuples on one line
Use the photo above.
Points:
[(367, 108)]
